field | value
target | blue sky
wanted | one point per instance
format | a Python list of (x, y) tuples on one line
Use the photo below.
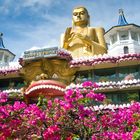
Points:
[(29, 23)]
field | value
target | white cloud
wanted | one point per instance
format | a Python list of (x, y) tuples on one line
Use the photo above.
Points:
[(32, 3), (33, 48), (41, 35), (5, 7), (8, 6)]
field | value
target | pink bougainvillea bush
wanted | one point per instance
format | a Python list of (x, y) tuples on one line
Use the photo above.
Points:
[(73, 117)]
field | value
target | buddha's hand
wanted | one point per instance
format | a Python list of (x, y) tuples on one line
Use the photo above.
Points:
[(87, 41), (76, 35), (88, 47)]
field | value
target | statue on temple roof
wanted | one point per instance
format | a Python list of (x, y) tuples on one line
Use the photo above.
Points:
[(81, 39), (1, 41)]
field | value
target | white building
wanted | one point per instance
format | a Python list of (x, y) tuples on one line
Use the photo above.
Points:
[(6, 56), (123, 38)]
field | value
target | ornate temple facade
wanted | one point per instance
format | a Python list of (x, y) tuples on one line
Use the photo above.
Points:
[(112, 61)]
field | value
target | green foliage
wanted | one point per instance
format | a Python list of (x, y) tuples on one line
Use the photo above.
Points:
[(136, 135)]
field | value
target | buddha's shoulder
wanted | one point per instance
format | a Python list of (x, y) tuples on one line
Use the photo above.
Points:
[(96, 28)]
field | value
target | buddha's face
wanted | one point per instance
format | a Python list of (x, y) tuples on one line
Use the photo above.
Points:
[(80, 16)]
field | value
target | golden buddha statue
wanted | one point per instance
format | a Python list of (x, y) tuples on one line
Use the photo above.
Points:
[(82, 40)]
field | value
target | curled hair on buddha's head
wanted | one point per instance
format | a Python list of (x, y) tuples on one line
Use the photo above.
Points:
[(82, 7)]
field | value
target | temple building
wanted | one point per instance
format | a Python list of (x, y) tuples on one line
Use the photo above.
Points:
[(111, 59), (6, 55), (123, 38), (9, 76)]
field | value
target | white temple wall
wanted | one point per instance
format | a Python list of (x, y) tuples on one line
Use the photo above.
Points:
[(119, 49)]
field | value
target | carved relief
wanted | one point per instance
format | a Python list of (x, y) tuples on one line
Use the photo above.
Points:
[(57, 69)]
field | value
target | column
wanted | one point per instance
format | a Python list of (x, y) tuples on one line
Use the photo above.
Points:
[(129, 35), (118, 37), (138, 35)]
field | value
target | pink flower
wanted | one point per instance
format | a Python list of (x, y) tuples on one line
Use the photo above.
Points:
[(95, 96), (19, 105), (3, 97), (52, 133), (87, 84), (95, 85), (49, 103)]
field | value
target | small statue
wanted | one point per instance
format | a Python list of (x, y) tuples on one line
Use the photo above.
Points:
[(42, 76), (129, 77), (82, 40)]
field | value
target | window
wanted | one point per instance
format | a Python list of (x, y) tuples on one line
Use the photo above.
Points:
[(103, 75), (1, 55), (121, 97), (6, 58), (124, 35), (125, 50), (129, 72), (114, 38), (134, 36), (83, 76)]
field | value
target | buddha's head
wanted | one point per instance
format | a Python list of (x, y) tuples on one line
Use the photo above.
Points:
[(80, 16)]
